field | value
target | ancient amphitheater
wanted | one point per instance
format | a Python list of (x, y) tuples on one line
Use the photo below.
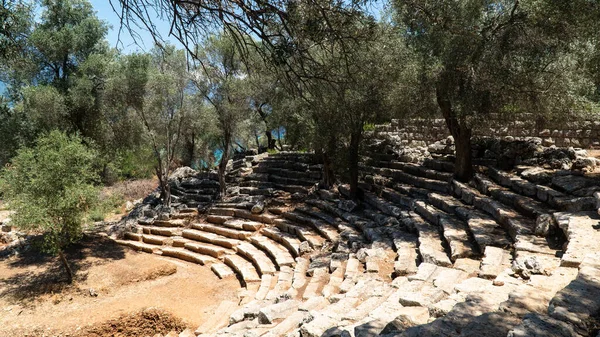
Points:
[(513, 253)]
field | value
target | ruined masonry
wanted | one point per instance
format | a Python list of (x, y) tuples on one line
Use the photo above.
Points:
[(512, 253)]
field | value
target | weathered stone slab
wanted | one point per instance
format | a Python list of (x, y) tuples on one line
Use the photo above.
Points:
[(242, 267), (406, 248), (583, 237), (265, 285), (300, 273), (494, 262), (187, 255), (316, 283), (288, 240), (259, 258), (278, 311), (212, 238), (221, 270), (283, 285), (281, 256), (290, 323)]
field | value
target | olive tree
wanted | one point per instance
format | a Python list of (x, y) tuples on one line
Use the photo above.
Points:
[(481, 57), (220, 81), (50, 186)]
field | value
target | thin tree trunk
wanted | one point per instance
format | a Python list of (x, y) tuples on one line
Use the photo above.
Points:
[(223, 165), (328, 170), (270, 140), (65, 264), (355, 138), (222, 168), (279, 138), (328, 175)]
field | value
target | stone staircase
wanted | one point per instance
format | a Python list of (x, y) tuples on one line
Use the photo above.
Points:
[(507, 254), (276, 175)]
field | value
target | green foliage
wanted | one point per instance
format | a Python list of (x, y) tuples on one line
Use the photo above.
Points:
[(135, 163), (50, 186), (369, 127)]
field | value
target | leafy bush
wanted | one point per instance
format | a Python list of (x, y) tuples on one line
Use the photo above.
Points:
[(51, 188), (136, 164), (369, 127)]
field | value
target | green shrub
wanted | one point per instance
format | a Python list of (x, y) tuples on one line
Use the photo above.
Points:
[(50, 186), (138, 163), (369, 127)]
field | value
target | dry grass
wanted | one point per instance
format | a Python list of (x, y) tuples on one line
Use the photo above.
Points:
[(131, 190)]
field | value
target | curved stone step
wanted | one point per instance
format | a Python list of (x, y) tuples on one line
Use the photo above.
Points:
[(453, 229), (318, 280), (290, 323), (156, 239), (300, 280), (281, 256), (485, 230), (187, 255), (513, 222), (305, 234), (326, 230), (525, 205), (405, 245), (292, 181), (140, 246), (420, 171), (266, 284), (317, 213), (217, 219), (243, 268), (262, 218), (212, 238), (221, 270), (170, 223), (291, 242), (164, 231), (207, 249), (494, 262), (263, 264), (243, 224), (223, 231), (335, 282), (403, 177), (283, 285), (431, 246)]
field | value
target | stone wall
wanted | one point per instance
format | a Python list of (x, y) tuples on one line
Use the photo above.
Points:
[(562, 133)]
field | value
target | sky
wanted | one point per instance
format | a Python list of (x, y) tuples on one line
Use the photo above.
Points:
[(125, 42)]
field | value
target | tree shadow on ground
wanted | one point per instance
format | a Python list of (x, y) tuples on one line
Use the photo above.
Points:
[(48, 275)]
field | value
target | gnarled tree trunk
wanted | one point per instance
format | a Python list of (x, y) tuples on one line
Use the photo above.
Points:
[(463, 166)]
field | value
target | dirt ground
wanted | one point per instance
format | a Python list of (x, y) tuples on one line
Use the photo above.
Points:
[(36, 301)]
